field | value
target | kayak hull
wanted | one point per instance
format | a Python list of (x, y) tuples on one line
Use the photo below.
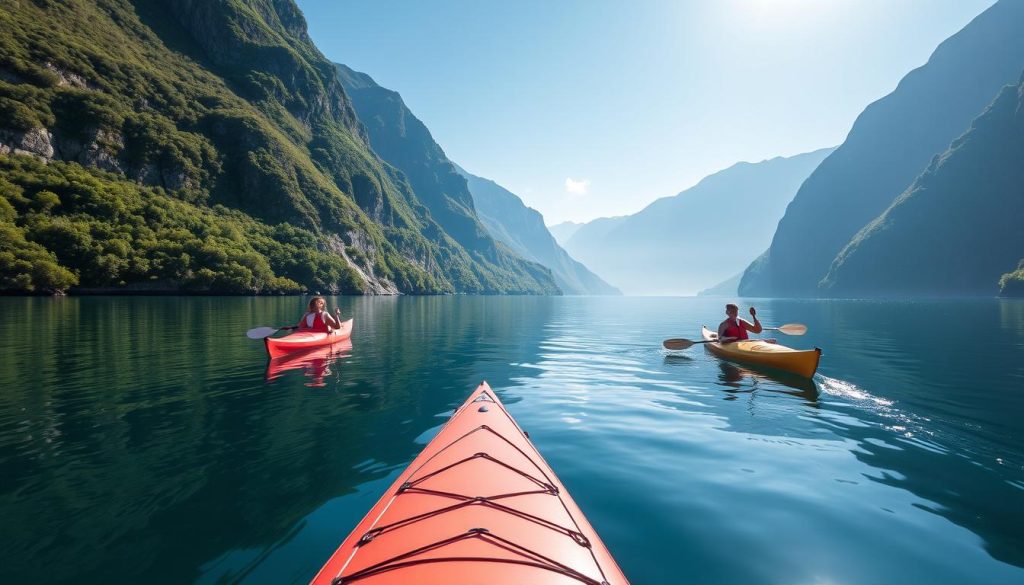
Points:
[(761, 353), (306, 340), (478, 505), (316, 362)]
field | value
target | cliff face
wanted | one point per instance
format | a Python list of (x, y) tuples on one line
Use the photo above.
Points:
[(225, 117), (1011, 284), (958, 228), (522, 229), (403, 141), (700, 237), (890, 144)]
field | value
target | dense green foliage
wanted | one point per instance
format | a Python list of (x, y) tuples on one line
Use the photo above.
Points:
[(227, 110), (115, 234), (889, 146)]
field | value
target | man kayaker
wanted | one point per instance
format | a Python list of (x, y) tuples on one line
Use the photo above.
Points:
[(317, 318), (734, 328)]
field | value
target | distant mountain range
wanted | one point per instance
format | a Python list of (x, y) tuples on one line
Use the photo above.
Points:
[(682, 244), (563, 231), (890, 212), (522, 229), (476, 210)]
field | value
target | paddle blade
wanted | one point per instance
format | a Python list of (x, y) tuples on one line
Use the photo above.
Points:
[(260, 332), (793, 329), (677, 343)]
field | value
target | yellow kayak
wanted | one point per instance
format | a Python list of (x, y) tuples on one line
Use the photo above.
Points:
[(761, 353)]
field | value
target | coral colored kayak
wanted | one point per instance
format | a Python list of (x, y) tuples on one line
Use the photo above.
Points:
[(302, 340), (761, 353), (478, 505)]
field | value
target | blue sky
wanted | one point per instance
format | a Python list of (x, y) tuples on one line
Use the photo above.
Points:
[(591, 108)]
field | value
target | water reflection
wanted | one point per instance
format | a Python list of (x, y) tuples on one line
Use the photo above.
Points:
[(151, 429), (315, 363), (139, 427), (741, 379)]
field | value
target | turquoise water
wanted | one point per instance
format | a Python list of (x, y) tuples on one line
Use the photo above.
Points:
[(144, 439)]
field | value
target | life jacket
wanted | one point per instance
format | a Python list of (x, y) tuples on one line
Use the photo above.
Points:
[(318, 323), (736, 330)]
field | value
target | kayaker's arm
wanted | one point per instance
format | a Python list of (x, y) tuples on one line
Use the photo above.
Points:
[(756, 327), (330, 319)]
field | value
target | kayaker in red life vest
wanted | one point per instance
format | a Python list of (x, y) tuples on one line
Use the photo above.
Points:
[(734, 328), (317, 318)]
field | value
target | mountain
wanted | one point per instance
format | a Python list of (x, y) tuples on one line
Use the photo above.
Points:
[(890, 144), (700, 237), (522, 229), (726, 288), (960, 225), (401, 139), (565, 230), (462, 202), (177, 145)]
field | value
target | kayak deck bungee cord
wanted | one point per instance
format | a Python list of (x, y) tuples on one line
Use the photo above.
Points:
[(478, 505)]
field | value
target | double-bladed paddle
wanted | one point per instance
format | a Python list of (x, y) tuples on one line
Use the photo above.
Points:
[(788, 329), (261, 332)]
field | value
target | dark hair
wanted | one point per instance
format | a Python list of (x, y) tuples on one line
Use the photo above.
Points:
[(733, 307)]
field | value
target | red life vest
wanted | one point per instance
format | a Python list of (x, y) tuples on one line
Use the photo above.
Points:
[(318, 323), (736, 330)]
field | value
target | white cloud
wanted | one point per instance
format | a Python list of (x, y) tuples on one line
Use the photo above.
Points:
[(576, 187)]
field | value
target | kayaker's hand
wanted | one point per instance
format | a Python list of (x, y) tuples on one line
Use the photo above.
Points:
[(753, 312)]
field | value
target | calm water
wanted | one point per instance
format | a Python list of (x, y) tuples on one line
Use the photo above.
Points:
[(144, 439)]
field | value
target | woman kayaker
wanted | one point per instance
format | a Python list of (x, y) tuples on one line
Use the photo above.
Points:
[(734, 328), (317, 318)]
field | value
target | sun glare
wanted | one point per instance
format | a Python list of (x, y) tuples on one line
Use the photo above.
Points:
[(778, 13)]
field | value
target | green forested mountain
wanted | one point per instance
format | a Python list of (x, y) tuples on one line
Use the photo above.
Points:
[(402, 140), (522, 229), (206, 146), (476, 210), (890, 144), (699, 237), (958, 228)]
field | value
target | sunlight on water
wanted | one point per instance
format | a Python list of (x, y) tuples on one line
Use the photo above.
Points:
[(849, 391), (171, 441)]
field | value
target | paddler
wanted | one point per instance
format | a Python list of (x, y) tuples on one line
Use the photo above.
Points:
[(734, 328), (317, 318)]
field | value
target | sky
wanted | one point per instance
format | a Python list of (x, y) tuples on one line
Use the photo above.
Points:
[(595, 108)]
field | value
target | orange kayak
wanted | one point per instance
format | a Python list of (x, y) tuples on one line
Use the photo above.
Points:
[(303, 340), (478, 505), (761, 353)]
